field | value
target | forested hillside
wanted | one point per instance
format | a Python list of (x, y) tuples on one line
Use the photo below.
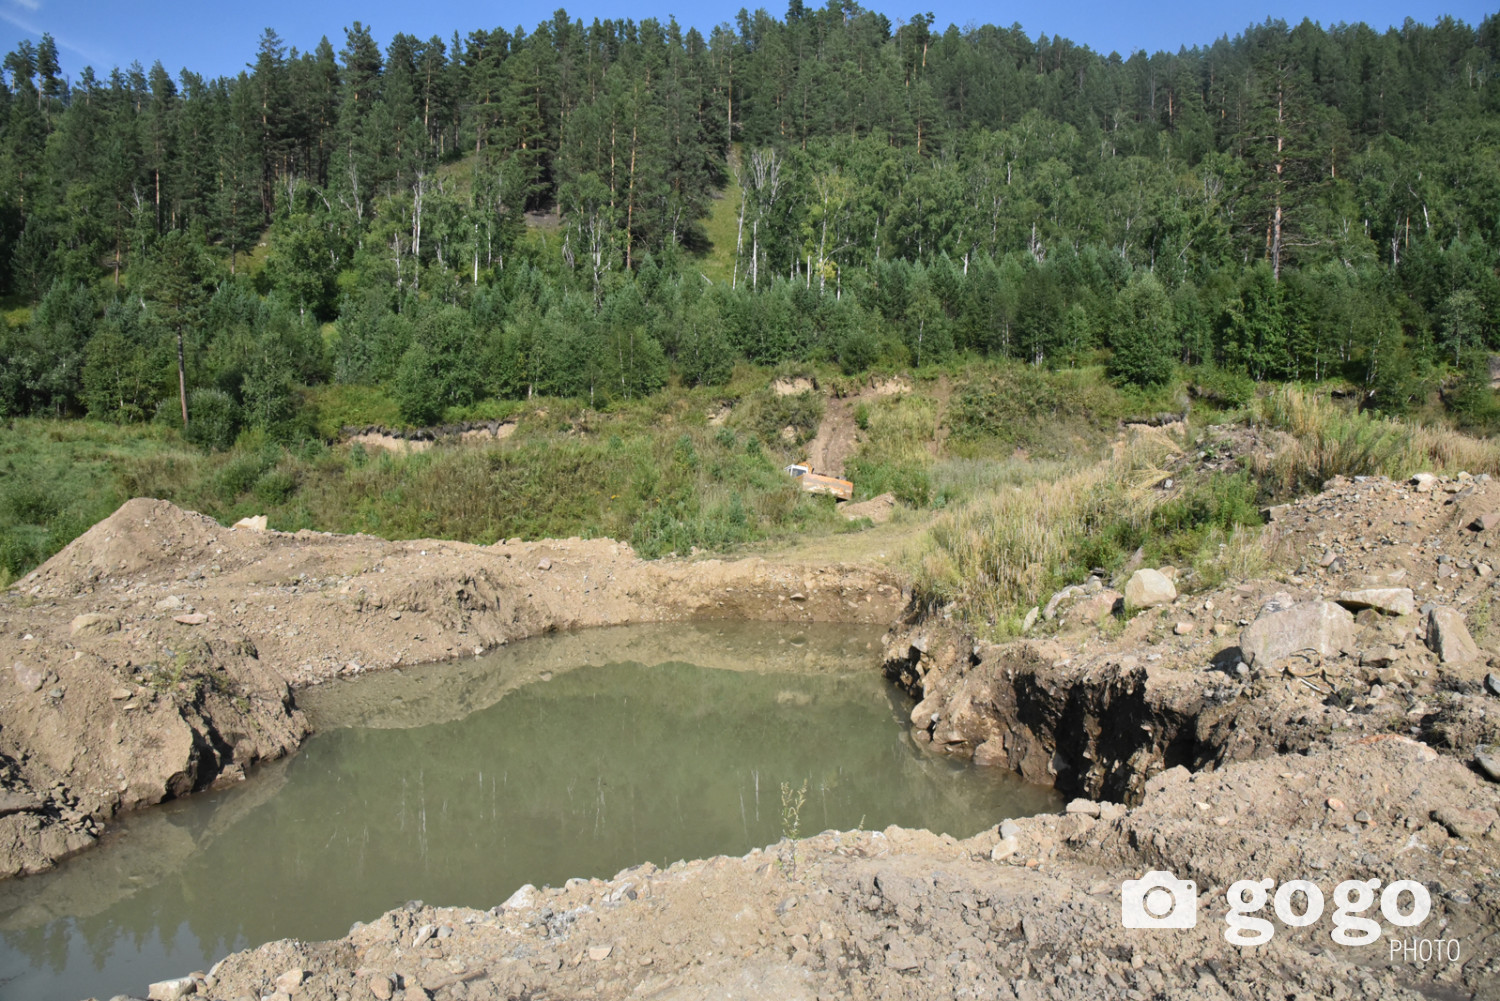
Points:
[(518, 212)]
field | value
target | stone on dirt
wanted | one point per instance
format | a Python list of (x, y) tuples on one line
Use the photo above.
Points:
[(1149, 588), (255, 523), (1279, 632), (1485, 522), (93, 624), (171, 990), (521, 899), (1448, 637), (900, 956), (1465, 823), (380, 986), (1388, 600), (28, 678), (1488, 764), (1424, 482), (1492, 684), (15, 801)]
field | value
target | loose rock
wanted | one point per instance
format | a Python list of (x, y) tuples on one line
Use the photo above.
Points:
[(171, 990), (1148, 589), (93, 624), (1388, 600), (1321, 626), (1448, 637)]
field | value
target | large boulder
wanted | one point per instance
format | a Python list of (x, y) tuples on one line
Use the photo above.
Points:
[(1149, 588), (1448, 637), (1280, 631)]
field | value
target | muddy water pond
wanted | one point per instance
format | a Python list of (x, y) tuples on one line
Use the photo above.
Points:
[(574, 755)]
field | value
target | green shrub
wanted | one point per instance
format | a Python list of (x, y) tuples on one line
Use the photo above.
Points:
[(418, 388), (30, 503), (213, 419), (766, 414), (908, 481), (1004, 404), (275, 486)]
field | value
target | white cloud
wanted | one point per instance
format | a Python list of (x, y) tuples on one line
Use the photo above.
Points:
[(94, 56), (31, 5)]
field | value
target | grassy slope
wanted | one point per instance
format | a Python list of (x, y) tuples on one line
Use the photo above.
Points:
[(720, 226), (1004, 501)]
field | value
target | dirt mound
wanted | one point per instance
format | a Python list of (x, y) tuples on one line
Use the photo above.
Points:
[(877, 509), (142, 533)]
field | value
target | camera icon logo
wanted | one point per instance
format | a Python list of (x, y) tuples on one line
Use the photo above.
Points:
[(1159, 900)]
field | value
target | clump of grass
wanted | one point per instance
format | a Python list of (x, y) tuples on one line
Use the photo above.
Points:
[(895, 456), (999, 553), (767, 414), (1327, 440)]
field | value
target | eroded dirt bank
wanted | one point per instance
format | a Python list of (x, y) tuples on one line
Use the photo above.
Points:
[(157, 653)]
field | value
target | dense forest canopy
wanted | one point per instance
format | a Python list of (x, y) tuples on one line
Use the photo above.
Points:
[(584, 210)]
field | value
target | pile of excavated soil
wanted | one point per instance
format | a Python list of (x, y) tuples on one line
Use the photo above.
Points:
[(157, 654)]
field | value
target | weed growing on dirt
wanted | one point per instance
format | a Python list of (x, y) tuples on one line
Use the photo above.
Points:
[(792, 801)]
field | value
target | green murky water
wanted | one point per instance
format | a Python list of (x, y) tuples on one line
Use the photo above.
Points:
[(571, 756)]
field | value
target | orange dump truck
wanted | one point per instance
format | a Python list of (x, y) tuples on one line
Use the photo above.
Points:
[(817, 483)]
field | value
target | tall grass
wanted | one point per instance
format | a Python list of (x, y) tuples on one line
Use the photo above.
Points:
[(1325, 440), (1000, 552), (1022, 530), (896, 453)]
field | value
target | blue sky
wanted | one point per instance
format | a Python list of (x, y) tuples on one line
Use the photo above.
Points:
[(213, 39)]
